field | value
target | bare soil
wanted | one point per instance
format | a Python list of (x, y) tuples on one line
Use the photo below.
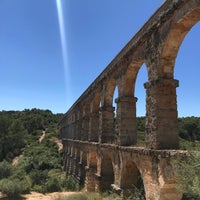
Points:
[(42, 136), (50, 196), (39, 196), (58, 142)]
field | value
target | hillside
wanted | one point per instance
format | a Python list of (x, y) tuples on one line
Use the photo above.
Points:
[(30, 152), (18, 130)]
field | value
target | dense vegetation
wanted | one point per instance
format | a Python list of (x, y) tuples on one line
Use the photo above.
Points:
[(19, 129), (188, 175), (26, 163)]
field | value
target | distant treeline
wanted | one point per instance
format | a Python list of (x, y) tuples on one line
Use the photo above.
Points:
[(189, 127), (17, 129)]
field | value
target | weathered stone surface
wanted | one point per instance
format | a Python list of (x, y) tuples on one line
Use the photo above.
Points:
[(89, 125), (114, 167)]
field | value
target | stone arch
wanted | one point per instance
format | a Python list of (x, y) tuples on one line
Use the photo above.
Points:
[(85, 121), (130, 77), (131, 179), (83, 165), (126, 105), (107, 173), (96, 103), (86, 108), (141, 104), (167, 183), (94, 118), (114, 97), (79, 121), (187, 63), (109, 91), (84, 158), (115, 108), (175, 37), (91, 171), (70, 160), (162, 115), (76, 125), (106, 119), (93, 160)]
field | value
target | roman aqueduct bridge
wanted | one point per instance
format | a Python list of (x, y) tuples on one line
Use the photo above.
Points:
[(101, 151)]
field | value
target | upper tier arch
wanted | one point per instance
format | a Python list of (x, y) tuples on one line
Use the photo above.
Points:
[(156, 45)]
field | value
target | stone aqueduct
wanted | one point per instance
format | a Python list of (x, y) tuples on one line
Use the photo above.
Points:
[(103, 157)]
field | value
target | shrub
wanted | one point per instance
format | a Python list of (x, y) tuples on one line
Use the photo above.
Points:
[(79, 196), (6, 169), (188, 176), (13, 188), (39, 188), (39, 177), (134, 194), (10, 188), (53, 185), (70, 183)]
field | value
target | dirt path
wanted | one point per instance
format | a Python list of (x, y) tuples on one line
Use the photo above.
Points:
[(17, 158), (42, 136), (54, 139), (39, 196), (58, 142), (50, 196)]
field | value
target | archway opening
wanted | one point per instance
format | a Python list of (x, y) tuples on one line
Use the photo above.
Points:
[(107, 174), (83, 164), (80, 121), (107, 113), (140, 93), (131, 181), (94, 119), (114, 104), (187, 72), (185, 51), (85, 123)]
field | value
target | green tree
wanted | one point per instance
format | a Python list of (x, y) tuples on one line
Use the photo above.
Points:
[(141, 124), (6, 169), (188, 175), (4, 126), (189, 128), (16, 138)]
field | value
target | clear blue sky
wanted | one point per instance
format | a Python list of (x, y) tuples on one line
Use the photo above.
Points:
[(34, 73)]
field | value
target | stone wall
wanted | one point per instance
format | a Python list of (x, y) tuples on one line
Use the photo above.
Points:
[(106, 167)]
